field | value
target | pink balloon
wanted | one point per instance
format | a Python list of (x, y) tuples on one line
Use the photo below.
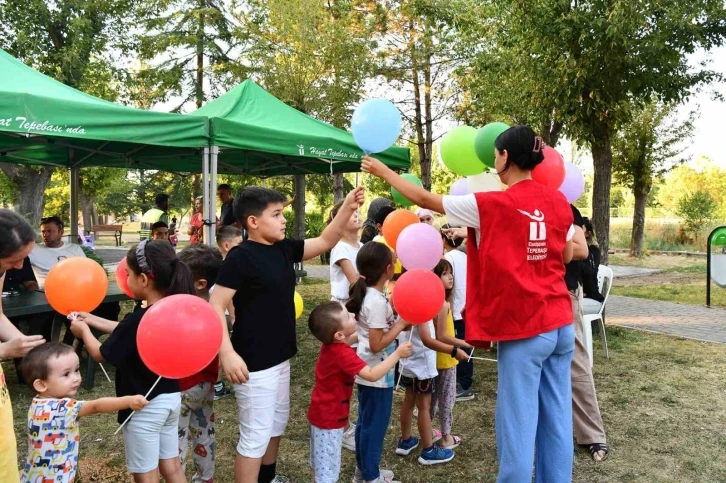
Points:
[(419, 246), (574, 184), (459, 188)]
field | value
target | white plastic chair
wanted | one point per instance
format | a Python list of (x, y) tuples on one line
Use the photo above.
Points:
[(605, 282)]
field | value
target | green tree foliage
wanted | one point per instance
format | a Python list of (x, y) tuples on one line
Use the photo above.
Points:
[(697, 210), (577, 67), (645, 148)]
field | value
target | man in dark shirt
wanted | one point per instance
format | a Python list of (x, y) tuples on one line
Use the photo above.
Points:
[(24, 278), (224, 193)]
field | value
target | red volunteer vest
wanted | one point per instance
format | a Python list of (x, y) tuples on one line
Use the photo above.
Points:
[(515, 275)]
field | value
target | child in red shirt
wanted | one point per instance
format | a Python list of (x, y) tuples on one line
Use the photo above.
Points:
[(335, 372)]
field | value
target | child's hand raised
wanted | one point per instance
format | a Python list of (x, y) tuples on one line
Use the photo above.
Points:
[(373, 166), (137, 403), (404, 350), (355, 198)]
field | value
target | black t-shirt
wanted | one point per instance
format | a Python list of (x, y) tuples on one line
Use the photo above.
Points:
[(227, 215), (572, 269), (264, 278), (14, 279), (132, 375)]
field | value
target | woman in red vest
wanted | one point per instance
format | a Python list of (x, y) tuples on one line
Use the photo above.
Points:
[(518, 243)]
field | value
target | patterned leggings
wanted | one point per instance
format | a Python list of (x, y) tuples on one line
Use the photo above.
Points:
[(197, 419), (442, 401)]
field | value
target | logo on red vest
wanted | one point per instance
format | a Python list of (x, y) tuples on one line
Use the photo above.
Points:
[(537, 246)]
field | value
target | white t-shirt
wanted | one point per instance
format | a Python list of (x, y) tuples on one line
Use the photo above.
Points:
[(376, 313), (42, 258), (422, 363), (463, 211), (457, 260), (339, 285)]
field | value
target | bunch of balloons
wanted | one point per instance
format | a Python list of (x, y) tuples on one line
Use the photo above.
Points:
[(470, 153)]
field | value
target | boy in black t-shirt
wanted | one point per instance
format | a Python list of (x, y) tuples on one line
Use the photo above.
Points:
[(259, 278)]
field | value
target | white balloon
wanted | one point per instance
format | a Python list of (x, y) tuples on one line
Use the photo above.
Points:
[(481, 183)]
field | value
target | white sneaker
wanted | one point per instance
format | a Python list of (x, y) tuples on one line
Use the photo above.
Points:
[(280, 479), (385, 476), (349, 438)]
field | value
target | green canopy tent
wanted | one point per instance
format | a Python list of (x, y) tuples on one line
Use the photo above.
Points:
[(253, 132), (45, 122)]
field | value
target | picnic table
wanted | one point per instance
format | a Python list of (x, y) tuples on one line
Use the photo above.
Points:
[(35, 302)]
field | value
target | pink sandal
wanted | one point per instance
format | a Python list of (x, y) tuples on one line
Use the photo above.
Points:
[(437, 435), (457, 442)]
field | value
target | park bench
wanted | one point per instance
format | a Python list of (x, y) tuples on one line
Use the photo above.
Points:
[(116, 230)]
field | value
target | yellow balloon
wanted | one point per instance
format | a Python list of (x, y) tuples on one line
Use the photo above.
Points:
[(397, 266), (299, 305)]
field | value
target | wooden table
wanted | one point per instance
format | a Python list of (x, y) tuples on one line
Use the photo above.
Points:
[(35, 302)]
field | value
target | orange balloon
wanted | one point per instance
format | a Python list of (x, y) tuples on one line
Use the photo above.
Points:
[(76, 284), (395, 223)]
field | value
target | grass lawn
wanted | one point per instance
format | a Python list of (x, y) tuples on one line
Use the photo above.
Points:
[(662, 400), (681, 279)]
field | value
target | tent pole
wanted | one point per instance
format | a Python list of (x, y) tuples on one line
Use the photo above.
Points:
[(75, 177), (214, 153), (205, 193)]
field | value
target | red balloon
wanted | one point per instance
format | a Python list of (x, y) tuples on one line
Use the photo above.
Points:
[(76, 284), (418, 295), (551, 171), (179, 336), (122, 278)]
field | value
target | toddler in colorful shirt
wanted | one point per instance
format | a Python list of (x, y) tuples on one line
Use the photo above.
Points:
[(52, 370)]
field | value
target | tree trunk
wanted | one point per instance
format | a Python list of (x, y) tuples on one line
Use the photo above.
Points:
[(87, 209), (418, 115), (602, 156), (197, 187), (298, 226), (638, 234), (338, 187), (428, 119), (31, 183), (199, 83)]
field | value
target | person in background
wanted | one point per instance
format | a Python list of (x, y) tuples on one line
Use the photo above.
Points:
[(227, 218), (53, 250), (425, 216), (592, 298), (17, 239), (457, 259), (158, 213), (228, 237), (371, 227), (586, 419), (196, 224), (160, 231), (173, 238)]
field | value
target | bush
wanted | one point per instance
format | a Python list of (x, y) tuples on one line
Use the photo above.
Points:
[(698, 211)]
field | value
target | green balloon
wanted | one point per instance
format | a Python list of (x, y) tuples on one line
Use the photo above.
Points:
[(398, 197), (457, 151), (484, 142)]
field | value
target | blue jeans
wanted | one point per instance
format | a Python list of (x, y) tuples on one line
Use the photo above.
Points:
[(374, 414), (534, 408)]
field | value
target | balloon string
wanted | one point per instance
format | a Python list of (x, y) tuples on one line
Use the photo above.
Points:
[(483, 359), (133, 412), (471, 354), (400, 369)]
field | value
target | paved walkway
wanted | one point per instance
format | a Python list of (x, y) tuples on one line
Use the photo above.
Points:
[(680, 320)]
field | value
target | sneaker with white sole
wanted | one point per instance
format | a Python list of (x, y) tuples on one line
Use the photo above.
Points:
[(383, 475), (405, 446), (435, 455), (465, 395), (349, 438)]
